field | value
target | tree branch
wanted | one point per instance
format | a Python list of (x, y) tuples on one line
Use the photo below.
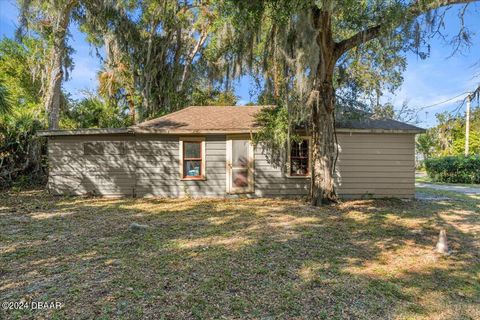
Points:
[(191, 56), (411, 12), (357, 39)]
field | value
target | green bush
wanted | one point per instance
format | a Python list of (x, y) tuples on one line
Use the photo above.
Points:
[(454, 169), (22, 153)]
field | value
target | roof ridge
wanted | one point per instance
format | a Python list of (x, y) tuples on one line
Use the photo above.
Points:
[(165, 115), (240, 106)]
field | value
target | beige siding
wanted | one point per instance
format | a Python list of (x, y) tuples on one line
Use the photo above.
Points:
[(380, 165), (271, 180), (72, 172), (157, 168)]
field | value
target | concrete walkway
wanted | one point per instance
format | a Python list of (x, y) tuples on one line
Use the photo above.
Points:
[(450, 187)]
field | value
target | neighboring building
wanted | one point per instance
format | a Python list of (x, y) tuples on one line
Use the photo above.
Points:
[(206, 152)]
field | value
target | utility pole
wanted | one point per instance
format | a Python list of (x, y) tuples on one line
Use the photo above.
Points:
[(467, 127)]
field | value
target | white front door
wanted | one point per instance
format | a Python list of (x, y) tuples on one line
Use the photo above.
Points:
[(240, 165)]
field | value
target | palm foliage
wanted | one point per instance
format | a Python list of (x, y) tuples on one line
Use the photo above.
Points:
[(21, 115), (5, 104)]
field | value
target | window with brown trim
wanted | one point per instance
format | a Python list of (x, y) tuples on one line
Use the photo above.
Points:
[(192, 160), (299, 158)]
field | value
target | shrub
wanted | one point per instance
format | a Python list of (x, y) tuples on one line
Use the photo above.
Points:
[(22, 153), (454, 169)]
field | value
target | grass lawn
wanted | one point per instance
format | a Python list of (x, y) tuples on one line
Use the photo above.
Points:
[(273, 259), (424, 179), (427, 179)]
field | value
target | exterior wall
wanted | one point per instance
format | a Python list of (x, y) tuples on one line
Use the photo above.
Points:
[(158, 172), (379, 165), (72, 172), (369, 165), (271, 180), (149, 167)]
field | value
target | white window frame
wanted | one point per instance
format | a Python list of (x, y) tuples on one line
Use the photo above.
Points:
[(289, 163), (181, 140)]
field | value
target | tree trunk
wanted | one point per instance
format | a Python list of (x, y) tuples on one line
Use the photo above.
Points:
[(322, 188), (54, 90), (53, 94)]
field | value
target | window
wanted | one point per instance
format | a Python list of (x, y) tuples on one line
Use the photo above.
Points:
[(192, 158), (299, 158)]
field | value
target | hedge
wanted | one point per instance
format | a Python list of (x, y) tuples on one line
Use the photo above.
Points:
[(454, 169)]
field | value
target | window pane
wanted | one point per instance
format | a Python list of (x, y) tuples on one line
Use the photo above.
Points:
[(299, 149), (240, 178), (299, 157), (191, 168), (299, 166), (192, 149), (303, 149), (240, 153)]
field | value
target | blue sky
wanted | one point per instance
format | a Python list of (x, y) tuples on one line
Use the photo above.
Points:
[(426, 82)]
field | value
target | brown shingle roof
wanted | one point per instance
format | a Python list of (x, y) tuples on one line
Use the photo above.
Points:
[(377, 124), (238, 119), (231, 119)]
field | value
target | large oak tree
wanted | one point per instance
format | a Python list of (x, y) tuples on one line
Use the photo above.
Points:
[(318, 41)]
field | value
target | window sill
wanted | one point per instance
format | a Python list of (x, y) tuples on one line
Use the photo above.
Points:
[(240, 192), (193, 179), (298, 177)]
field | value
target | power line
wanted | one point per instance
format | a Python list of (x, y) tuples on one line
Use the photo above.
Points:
[(442, 102)]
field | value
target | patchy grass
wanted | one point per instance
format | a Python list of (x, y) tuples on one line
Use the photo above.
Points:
[(423, 179), (370, 259)]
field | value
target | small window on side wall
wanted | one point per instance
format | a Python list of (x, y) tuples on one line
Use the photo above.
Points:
[(192, 158), (299, 156), (97, 148), (93, 148)]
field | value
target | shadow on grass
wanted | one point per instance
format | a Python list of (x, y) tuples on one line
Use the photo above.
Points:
[(238, 258)]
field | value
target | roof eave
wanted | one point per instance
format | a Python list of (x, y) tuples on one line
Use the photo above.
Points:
[(81, 132), (410, 131), (192, 131), (139, 130)]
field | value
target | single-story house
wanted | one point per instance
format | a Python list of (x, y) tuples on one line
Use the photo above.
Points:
[(206, 151)]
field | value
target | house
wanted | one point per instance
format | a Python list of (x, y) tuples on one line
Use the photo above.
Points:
[(206, 152)]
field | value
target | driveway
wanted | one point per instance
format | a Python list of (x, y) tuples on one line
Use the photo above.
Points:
[(450, 187)]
